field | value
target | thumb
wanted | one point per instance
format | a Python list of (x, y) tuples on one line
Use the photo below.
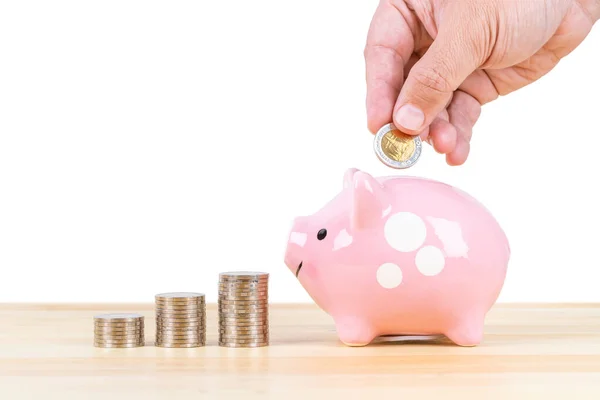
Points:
[(429, 87)]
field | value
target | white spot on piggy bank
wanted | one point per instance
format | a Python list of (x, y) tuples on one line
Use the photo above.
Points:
[(413, 250), (389, 275), (430, 260), (405, 231)]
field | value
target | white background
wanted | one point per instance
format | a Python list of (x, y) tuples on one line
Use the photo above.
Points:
[(147, 146)]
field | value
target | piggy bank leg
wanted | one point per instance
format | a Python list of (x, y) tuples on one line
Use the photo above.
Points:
[(467, 332), (354, 331)]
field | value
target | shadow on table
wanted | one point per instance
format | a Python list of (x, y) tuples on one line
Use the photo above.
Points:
[(428, 340)]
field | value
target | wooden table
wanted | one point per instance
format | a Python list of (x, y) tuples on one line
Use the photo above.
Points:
[(529, 352)]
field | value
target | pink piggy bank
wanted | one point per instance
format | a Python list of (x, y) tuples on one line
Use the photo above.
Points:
[(400, 256)]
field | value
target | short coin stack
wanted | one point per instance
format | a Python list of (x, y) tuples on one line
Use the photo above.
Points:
[(180, 319), (119, 330), (243, 309)]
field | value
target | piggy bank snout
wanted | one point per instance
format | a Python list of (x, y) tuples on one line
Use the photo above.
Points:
[(295, 246), (293, 251)]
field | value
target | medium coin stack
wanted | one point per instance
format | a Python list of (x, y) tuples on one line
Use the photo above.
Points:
[(243, 309), (180, 319), (119, 330)]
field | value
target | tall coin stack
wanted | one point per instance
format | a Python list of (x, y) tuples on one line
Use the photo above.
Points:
[(180, 319), (119, 330), (243, 309)]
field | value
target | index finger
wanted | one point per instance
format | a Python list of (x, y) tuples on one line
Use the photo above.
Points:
[(389, 46)]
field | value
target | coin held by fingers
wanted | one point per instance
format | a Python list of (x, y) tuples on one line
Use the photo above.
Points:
[(396, 149)]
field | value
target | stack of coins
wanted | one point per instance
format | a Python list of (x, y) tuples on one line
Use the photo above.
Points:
[(119, 330), (243, 309), (180, 319)]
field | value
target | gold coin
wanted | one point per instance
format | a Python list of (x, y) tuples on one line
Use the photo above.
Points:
[(183, 310), (117, 331), (242, 323), (123, 346), (179, 345), (186, 325), (235, 313), (180, 300), (247, 336), (198, 339), (102, 336), (248, 287), (196, 332), (162, 318), (116, 343), (163, 339), (249, 329), (263, 305), (243, 318), (237, 327), (118, 339), (139, 327), (243, 302), (244, 342), (179, 295), (170, 341), (180, 335), (191, 316), (244, 285), (199, 327), (180, 318), (176, 328), (182, 339), (238, 291), (189, 304), (248, 306), (395, 148), (397, 145), (120, 317), (235, 345), (255, 337), (180, 322), (118, 323), (194, 304), (243, 296), (247, 281), (244, 274)]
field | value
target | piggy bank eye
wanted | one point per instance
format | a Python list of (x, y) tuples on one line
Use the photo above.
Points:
[(321, 234)]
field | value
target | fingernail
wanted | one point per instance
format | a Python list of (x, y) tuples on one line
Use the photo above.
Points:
[(410, 117)]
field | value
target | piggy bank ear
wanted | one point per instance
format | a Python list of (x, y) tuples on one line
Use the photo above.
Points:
[(349, 177), (369, 200)]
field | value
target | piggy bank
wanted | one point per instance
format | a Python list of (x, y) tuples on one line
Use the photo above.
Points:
[(400, 256)]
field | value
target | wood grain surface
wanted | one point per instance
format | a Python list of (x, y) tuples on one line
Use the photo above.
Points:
[(529, 352)]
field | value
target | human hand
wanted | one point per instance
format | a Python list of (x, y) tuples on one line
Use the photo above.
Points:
[(432, 64)]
